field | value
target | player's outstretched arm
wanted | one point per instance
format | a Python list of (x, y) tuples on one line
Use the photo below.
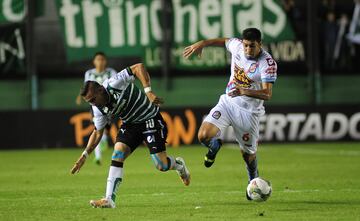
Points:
[(264, 94), (92, 143), (78, 100), (141, 73), (197, 47)]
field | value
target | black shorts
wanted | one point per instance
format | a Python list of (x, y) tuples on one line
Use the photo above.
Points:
[(153, 132)]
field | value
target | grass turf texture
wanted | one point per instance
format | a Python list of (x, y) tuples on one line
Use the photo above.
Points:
[(310, 182)]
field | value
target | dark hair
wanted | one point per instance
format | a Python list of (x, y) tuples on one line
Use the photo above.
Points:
[(88, 85), (99, 53), (252, 34)]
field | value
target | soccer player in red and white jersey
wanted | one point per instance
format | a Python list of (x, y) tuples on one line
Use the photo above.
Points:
[(253, 73)]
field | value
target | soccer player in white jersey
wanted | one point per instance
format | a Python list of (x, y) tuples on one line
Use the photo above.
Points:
[(253, 73), (119, 98), (99, 74)]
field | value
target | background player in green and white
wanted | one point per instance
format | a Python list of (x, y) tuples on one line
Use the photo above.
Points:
[(99, 73), (119, 98), (253, 73)]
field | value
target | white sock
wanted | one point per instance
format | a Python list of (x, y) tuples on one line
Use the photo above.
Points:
[(113, 182), (175, 165), (104, 138), (98, 152)]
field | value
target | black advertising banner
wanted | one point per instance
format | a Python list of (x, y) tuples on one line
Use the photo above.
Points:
[(306, 123), (49, 129)]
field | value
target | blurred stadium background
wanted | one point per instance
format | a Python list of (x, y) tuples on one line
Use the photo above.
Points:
[(47, 45)]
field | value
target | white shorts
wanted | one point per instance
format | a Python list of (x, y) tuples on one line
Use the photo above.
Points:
[(244, 123)]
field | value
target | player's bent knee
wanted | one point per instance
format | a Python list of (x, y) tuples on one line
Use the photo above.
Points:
[(206, 132), (121, 151), (118, 155), (249, 157), (203, 136), (160, 165)]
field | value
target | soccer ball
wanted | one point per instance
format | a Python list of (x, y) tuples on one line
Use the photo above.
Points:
[(259, 189)]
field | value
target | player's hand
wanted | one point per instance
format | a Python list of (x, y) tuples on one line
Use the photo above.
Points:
[(234, 93), (237, 91), (78, 100), (194, 48), (154, 99), (79, 163)]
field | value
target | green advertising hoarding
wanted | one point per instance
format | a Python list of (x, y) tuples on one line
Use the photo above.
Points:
[(12, 43), (11, 11), (134, 27)]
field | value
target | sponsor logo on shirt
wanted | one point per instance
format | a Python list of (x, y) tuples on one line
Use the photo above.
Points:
[(150, 139), (241, 78)]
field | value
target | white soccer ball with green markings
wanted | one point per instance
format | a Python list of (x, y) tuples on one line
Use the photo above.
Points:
[(259, 189)]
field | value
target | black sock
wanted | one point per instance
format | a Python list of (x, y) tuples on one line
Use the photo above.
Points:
[(251, 167)]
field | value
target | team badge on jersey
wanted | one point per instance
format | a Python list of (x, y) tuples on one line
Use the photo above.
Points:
[(253, 67), (216, 115)]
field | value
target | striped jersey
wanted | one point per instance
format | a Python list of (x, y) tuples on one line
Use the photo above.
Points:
[(249, 73), (127, 102), (93, 75)]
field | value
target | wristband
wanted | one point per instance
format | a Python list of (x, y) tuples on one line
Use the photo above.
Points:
[(147, 89), (85, 153)]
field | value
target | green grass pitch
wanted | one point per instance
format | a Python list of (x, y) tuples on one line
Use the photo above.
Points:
[(310, 182)]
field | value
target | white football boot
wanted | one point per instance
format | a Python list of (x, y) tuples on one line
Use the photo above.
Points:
[(102, 203), (184, 172)]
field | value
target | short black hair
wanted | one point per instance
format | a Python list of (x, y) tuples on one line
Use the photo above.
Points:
[(99, 53), (88, 85), (252, 34)]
